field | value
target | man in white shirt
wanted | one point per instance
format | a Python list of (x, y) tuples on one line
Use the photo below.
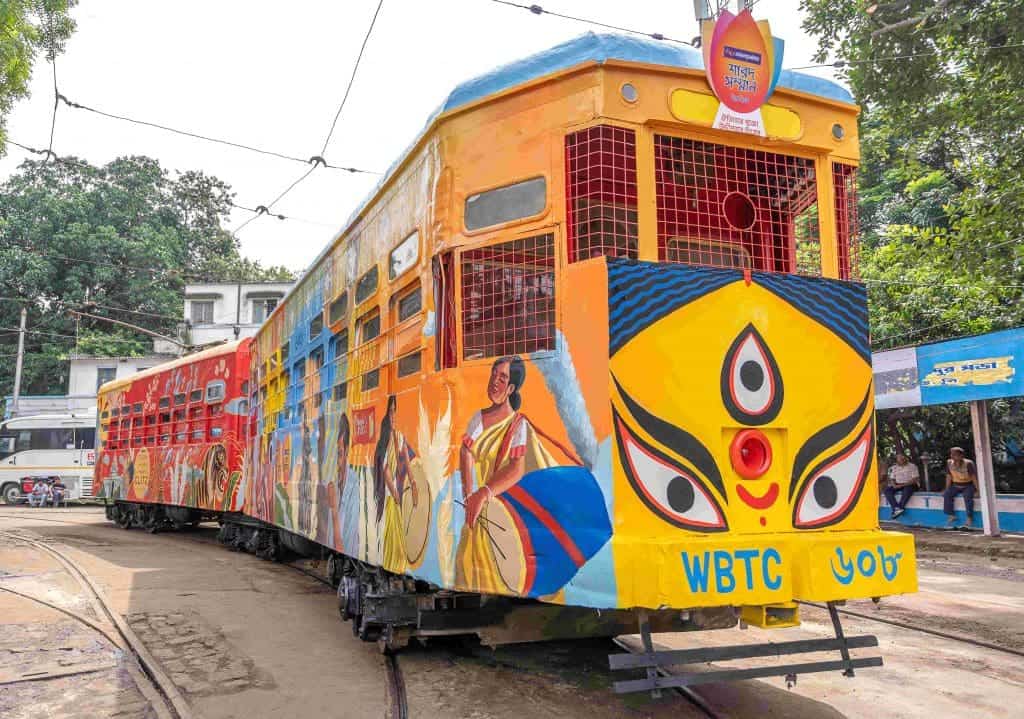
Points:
[(38, 496), (903, 478)]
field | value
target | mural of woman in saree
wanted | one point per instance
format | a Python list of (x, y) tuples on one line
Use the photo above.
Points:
[(305, 508), (499, 447), (351, 496), (390, 472)]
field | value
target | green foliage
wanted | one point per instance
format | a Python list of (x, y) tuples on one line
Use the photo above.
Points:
[(126, 235), (941, 178), (28, 27)]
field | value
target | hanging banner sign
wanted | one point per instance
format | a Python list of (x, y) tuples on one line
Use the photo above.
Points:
[(743, 63)]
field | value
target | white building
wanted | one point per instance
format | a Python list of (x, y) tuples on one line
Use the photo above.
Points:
[(217, 312), (85, 375)]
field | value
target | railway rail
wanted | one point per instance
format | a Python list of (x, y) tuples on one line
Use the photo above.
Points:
[(154, 685)]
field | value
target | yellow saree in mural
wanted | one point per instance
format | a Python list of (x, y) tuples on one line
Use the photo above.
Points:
[(493, 447), (393, 557)]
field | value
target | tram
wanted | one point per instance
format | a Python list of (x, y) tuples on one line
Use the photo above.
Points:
[(591, 356)]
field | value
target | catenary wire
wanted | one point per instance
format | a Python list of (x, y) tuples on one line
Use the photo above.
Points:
[(207, 138), (538, 10), (352, 77)]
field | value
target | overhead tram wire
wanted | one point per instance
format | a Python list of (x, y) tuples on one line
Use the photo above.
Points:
[(66, 304), (73, 163), (207, 138), (538, 10), (318, 160)]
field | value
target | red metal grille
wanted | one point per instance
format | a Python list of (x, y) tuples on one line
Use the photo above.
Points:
[(844, 182), (508, 298), (732, 207), (601, 192)]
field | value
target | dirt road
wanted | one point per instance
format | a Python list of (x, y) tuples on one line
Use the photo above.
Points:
[(246, 638)]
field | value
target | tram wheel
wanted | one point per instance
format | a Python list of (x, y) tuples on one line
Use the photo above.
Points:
[(124, 518)]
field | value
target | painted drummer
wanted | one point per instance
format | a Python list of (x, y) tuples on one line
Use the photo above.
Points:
[(391, 477), (500, 446)]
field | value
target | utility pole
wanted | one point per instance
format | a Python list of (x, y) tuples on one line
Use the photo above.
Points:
[(18, 362)]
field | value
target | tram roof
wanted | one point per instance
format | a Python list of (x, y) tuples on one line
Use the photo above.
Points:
[(602, 47), (586, 48)]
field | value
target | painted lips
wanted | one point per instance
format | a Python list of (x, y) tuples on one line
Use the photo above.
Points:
[(762, 502)]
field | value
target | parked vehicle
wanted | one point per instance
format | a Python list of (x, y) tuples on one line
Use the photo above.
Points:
[(47, 446)]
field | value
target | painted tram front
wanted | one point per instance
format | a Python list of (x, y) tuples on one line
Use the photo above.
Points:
[(595, 340)]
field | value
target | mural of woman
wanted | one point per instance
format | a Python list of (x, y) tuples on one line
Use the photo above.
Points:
[(499, 447), (328, 490), (350, 495), (305, 508), (390, 469)]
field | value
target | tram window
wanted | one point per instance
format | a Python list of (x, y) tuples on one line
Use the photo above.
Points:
[(508, 298), (216, 432), (369, 326), (404, 256), (284, 353), (137, 407), (504, 204), (164, 403), (339, 345), (724, 206), (245, 388), (409, 364), (367, 285), (601, 193), (179, 398), (410, 303), (215, 391), (316, 326), (338, 309), (844, 181), (115, 411), (340, 391), (195, 395), (105, 414), (371, 380)]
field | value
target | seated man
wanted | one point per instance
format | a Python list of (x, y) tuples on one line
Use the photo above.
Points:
[(59, 491), (903, 478), (961, 478), (38, 494)]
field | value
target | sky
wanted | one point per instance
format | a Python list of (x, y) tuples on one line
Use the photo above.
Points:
[(272, 74)]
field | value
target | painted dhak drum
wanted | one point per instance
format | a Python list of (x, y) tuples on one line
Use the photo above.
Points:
[(416, 519), (546, 527)]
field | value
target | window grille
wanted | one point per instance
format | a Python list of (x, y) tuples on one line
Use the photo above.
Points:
[(508, 298), (731, 207), (316, 326), (844, 181), (601, 192)]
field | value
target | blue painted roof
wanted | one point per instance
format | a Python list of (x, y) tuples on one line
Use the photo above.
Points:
[(601, 47)]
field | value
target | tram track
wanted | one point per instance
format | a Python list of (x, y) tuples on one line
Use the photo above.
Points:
[(154, 685)]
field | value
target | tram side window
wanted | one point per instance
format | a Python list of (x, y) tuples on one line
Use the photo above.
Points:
[(508, 298), (844, 180), (601, 193), (505, 204)]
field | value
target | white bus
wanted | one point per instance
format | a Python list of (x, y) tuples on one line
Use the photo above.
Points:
[(44, 446)]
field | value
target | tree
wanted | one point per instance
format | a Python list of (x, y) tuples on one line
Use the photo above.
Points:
[(28, 27), (120, 241), (941, 85)]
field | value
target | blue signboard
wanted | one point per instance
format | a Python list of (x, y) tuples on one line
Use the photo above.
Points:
[(983, 367)]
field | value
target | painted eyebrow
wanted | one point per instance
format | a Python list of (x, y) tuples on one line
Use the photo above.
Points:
[(677, 439), (823, 439)]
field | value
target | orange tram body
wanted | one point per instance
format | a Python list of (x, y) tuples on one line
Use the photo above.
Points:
[(584, 361)]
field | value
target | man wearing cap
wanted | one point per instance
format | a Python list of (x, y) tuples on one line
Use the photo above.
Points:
[(961, 478)]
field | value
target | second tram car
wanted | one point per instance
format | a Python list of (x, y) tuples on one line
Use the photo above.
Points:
[(579, 347)]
